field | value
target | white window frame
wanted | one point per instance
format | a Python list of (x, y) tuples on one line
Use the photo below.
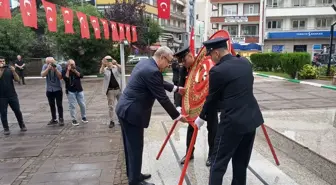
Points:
[(327, 22), (299, 21), (243, 34), (233, 10), (229, 27), (274, 3), (277, 27), (251, 9), (299, 3)]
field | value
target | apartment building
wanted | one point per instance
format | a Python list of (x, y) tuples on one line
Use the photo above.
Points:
[(298, 25), (242, 19), (174, 30)]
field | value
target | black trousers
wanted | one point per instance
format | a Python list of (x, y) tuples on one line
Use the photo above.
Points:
[(56, 96), (211, 127), (133, 138), (13, 102), (175, 94), (231, 145), (21, 75)]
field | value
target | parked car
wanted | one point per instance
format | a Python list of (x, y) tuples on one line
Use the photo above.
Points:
[(136, 59)]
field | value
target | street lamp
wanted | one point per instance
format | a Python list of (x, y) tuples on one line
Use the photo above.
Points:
[(123, 43), (331, 42)]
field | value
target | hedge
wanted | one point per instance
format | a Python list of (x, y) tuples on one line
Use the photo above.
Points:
[(290, 63)]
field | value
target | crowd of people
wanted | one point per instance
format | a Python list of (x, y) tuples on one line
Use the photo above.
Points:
[(231, 136)]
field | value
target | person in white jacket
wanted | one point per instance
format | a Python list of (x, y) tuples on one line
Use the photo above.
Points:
[(111, 85)]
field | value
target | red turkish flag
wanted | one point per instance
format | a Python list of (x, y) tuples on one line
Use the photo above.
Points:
[(106, 28), (84, 26), (115, 35), (192, 42), (5, 12), (29, 13), (121, 31), (51, 15), (134, 34), (96, 27), (128, 32), (68, 20), (163, 9)]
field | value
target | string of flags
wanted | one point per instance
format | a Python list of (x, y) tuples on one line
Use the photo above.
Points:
[(28, 10)]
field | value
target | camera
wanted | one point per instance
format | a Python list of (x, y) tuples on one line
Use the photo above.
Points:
[(53, 65)]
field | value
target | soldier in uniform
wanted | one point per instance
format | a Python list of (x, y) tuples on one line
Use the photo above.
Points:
[(187, 59), (231, 86), (176, 76)]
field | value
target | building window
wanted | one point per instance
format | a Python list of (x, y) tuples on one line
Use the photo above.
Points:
[(274, 3), (155, 18), (214, 12), (233, 30), (155, 3), (230, 10), (298, 24), (299, 2), (325, 2), (274, 24), (214, 26), (250, 30), (323, 22), (251, 9)]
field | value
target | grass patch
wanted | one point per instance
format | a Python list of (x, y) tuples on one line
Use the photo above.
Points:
[(284, 75)]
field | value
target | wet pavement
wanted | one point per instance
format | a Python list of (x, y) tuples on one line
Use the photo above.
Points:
[(92, 153)]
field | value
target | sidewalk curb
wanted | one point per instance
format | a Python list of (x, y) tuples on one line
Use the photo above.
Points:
[(297, 81)]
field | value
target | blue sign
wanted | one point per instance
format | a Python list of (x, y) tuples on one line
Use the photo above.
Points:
[(303, 34), (278, 48), (317, 46)]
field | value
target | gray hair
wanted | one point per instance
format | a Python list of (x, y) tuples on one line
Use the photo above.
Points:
[(51, 59), (163, 50)]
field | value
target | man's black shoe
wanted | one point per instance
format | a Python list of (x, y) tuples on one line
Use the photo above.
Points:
[(52, 122), (208, 162), (184, 158), (145, 176), (23, 128), (111, 124), (61, 122), (6, 132), (145, 183)]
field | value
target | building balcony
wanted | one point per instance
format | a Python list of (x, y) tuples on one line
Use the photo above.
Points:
[(234, 1), (299, 11), (178, 15), (228, 19), (173, 29), (245, 39)]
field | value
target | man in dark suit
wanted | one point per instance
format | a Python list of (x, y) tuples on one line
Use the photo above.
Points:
[(176, 76), (187, 59), (231, 86), (135, 106)]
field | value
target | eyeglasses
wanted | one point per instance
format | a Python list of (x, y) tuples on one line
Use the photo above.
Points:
[(169, 61)]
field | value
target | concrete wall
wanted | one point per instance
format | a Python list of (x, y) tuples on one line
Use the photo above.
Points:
[(289, 44)]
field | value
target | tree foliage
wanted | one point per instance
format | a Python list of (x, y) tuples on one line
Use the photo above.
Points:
[(86, 52), (15, 38), (135, 16)]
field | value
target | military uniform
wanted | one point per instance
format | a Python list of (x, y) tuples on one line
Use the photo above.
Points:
[(213, 119), (231, 84), (176, 76)]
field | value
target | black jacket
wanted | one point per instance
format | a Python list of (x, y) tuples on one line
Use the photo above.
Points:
[(231, 88)]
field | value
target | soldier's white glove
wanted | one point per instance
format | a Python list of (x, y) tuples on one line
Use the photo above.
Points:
[(179, 109), (199, 122)]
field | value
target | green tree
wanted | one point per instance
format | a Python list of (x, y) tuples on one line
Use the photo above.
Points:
[(15, 38), (154, 32), (86, 52)]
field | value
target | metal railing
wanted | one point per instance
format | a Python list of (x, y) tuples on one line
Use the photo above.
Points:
[(327, 28), (302, 5)]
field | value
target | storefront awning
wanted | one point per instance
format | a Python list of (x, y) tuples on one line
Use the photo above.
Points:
[(253, 46)]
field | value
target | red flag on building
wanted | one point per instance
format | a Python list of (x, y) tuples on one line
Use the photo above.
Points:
[(84, 26), (134, 34), (115, 35), (121, 31), (51, 15), (29, 13), (68, 19), (192, 42), (163, 9), (96, 27), (5, 12), (128, 32), (106, 28)]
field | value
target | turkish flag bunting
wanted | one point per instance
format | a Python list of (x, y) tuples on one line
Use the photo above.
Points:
[(96, 27), (128, 32), (5, 12), (68, 19), (121, 31), (29, 13), (192, 42), (134, 34), (115, 35), (163, 9), (106, 28), (84, 26), (51, 15)]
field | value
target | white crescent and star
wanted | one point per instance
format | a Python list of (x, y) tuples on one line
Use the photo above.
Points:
[(113, 26), (163, 4), (94, 21), (82, 19), (0, 3), (50, 9), (133, 29), (121, 29), (127, 28), (66, 12)]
